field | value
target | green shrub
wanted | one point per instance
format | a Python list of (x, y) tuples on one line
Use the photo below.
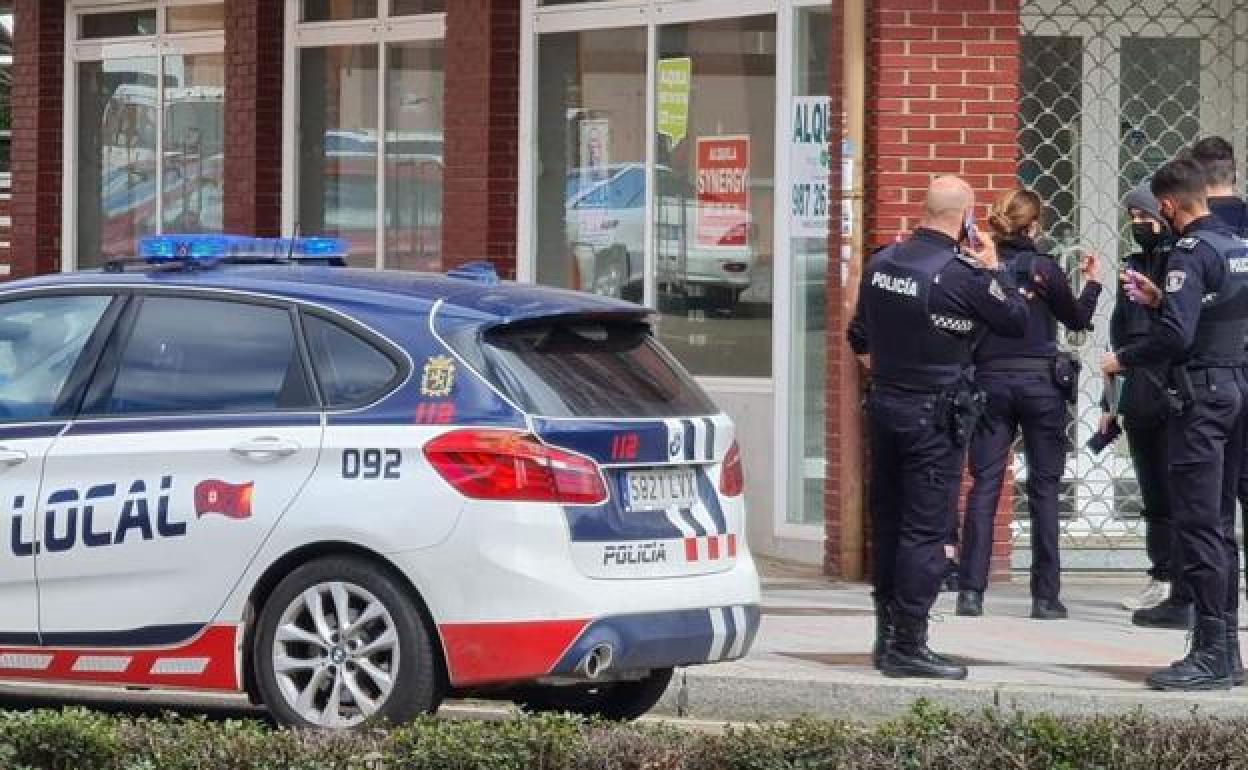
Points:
[(927, 737)]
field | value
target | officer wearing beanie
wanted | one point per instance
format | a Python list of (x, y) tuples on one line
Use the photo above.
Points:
[(1142, 405)]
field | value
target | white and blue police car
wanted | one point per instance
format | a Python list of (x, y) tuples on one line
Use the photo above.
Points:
[(351, 494)]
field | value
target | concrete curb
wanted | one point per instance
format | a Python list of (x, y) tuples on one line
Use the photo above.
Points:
[(860, 699)]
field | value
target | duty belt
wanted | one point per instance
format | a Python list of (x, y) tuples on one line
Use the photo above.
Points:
[(1021, 364)]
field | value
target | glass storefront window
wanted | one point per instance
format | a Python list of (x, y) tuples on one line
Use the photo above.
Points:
[(808, 251), (118, 173), (195, 18), (94, 26), (715, 187), (370, 139), (194, 143), (338, 122), (414, 120), (591, 135)]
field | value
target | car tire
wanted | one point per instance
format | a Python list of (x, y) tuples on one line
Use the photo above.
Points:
[(321, 659), (616, 701)]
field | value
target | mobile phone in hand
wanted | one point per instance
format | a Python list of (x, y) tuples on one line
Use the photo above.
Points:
[(972, 231)]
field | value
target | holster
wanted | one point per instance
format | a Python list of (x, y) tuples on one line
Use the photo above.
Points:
[(966, 409), (1066, 368), (1180, 393)]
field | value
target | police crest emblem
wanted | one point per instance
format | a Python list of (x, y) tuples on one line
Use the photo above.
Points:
[(1175, 280), (438, 379)]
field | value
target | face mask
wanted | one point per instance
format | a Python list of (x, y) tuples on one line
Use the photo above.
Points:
[(1148, 239)]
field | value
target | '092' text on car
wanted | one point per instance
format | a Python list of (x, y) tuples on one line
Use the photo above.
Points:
[(351, 494)]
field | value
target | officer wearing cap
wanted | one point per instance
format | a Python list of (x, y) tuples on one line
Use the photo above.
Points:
[(923, 304), (1201, 327)]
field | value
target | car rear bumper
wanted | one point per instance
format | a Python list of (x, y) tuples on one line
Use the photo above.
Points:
[(497, 653), (511, 604)]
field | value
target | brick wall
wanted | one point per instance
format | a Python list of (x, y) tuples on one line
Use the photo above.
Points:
[(38, 88), (943, 98), (253, 130), (482, 133)]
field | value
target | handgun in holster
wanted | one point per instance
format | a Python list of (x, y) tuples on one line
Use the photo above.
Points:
[(968, 412), (1180, 393)]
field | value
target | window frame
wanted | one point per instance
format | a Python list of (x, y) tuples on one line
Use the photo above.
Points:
[(69, 400), (104, 378), (402, 363), (381, 31)]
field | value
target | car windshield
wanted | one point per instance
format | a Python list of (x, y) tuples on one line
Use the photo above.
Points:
[(591, 368)]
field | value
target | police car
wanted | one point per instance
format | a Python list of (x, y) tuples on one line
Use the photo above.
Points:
[(351, 494)]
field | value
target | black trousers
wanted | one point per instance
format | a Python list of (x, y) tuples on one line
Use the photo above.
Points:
[(1030, 401), (1206, 448), (1146, 440), (915, 471)]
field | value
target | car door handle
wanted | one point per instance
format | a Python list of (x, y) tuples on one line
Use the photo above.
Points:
[(10, 458), (265, 449)]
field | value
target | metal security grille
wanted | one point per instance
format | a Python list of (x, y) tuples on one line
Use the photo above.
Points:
[(1111, 91)]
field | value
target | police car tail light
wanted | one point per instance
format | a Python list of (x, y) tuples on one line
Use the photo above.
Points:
[(503, 465), (732, 477)]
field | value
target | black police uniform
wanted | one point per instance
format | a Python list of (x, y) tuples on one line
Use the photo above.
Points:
[(921, 307), (1201, 329), (1018, 378), (1143, 407), (1233, 212)]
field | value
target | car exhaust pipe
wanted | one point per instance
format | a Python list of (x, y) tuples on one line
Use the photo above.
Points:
[(597, 661)]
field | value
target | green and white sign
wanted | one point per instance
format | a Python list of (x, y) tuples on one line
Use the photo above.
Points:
[(675, 77)]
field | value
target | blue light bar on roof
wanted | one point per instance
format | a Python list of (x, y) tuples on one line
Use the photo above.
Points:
[(212, 248)]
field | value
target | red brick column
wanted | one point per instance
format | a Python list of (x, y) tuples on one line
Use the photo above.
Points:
[(38, 95), (482, 133), (253, 107), (943, 98)]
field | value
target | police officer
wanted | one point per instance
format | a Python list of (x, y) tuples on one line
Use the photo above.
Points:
[(1216, 157), (1200, 330), (1142, 405), (922, 304), (1028, 385)]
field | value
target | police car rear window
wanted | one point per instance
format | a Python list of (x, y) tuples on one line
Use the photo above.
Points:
[(351, 370), (591, 368)]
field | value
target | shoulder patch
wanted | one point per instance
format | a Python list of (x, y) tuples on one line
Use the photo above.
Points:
[(1175, 280), (994, 288), (1188, 244)]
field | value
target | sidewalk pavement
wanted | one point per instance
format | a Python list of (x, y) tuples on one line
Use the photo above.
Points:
[(812, 656)]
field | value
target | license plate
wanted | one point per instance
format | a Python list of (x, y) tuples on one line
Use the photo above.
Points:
[(660, 488)]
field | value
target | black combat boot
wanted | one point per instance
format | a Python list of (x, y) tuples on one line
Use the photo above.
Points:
[(909, 656), (1205, 667), (1233, 659), (883, 632), (1048, 609), (970, 603), (1173, 614)]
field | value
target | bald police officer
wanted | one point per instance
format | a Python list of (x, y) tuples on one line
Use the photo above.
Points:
[(923, 304), (1200, 333)]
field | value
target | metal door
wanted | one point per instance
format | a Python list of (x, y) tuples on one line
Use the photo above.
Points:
[(1111, 91)]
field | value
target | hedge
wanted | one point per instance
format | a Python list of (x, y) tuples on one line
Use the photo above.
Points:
[(75, 739)]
